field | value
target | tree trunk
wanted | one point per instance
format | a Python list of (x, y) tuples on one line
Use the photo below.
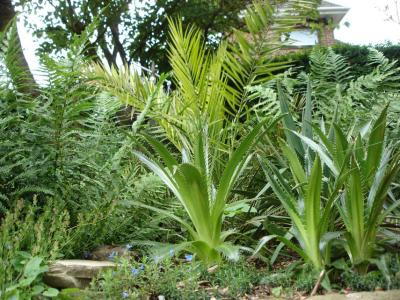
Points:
[(15, 59)]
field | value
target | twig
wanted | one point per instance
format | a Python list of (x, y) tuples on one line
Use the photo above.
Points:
[(318, 283)]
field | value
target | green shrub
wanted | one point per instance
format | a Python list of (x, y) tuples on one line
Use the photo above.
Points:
[(363, 282), (67, 146), (30, 236), (355, 55)]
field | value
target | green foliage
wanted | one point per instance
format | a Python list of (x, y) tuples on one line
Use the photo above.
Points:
[(202, 193), (356, 56), (28, 235), (363, 282), (66, 146), (371, 166), (309, 204), (203, 118), (176, 279), (28, 285), (310, 218), (351, 97), (12, 57), (212, 85), (361, 166), (80, 148), (135, 32)]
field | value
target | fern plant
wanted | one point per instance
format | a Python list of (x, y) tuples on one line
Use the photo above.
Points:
[(341, 96), (353, 98)]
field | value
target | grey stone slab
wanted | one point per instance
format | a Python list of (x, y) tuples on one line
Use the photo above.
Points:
[(74, 273)]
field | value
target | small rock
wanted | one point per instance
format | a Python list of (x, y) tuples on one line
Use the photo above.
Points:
[(74, 273), (180, 285), (108, 252), (212, 270), (386, 295), (223, 291), (204, 283)]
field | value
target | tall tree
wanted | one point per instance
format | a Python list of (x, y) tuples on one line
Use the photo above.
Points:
[(14, 56), (215, 18), (132, 31)]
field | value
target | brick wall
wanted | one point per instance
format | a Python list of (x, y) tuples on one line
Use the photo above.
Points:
[(326, 36)]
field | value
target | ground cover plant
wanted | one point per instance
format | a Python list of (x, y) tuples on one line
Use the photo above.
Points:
[(229, 177)]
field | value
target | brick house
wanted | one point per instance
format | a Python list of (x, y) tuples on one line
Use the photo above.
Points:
[(330, 15)]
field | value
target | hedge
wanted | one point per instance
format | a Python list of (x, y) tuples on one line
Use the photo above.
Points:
[(355, 54)]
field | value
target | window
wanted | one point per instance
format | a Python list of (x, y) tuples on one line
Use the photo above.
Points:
[(303, 37)]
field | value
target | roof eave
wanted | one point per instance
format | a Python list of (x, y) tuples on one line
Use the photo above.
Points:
[(336, 13)]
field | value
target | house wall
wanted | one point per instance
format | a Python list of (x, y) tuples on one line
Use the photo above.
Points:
[(326, 36)]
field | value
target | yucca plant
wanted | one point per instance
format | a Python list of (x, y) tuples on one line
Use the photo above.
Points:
[(203, 196), (305, 204), (309, 192), (372, 169), (371, 166)]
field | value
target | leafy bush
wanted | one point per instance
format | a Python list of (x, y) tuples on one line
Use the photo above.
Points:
[(359, 171), (355, 55), (371, 167), (310, 204), (29, 236), (67, 145), (29, 280)]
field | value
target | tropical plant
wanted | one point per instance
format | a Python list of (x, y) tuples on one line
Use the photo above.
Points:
[(210, 87), (372, 165), (369, 167), (305, 204), (342, 166), (203, 196), (208, 112)]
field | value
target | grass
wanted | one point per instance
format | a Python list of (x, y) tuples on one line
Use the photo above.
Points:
[(178, 278)]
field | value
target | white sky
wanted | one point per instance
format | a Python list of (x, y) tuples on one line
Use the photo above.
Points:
[(367, 26)]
